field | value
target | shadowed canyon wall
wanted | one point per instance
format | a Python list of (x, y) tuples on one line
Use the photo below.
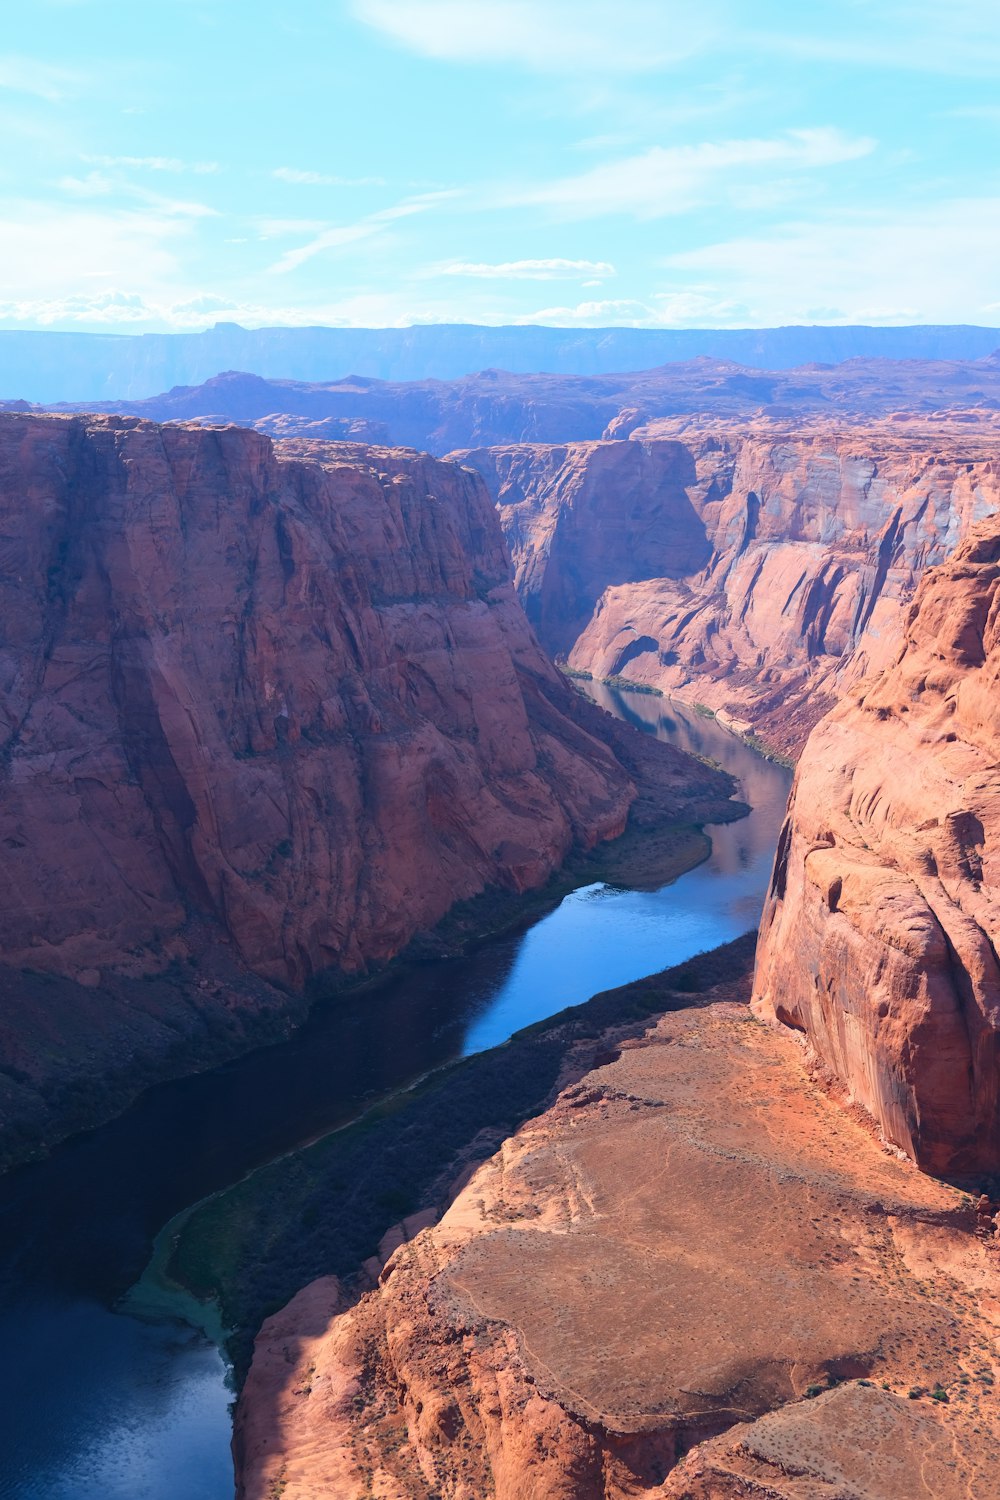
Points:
[(262, 719), (757, 567), (879, 939)]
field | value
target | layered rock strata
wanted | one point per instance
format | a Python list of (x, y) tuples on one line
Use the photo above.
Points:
[(694, 1276), (879, 938), (262, 719), (755, 568)]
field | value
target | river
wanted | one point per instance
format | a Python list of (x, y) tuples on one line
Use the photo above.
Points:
[(99, 1405)]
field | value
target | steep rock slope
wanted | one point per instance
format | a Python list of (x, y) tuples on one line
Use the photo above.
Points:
[(879, 939), (579, 516), (691, 1240), (757, 568), (261, 718)]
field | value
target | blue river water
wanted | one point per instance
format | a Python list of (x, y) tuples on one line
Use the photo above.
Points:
[(98, 1404)]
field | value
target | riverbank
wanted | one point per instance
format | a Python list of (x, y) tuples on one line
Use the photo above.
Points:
[(324, 1210)]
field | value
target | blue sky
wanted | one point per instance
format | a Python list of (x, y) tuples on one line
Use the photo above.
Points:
[(173, 163)]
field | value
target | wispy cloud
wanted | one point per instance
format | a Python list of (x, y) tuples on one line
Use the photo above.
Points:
[(153, 164), (962, 38), (526, 270), (26, 75), (674, 179), (349, 234), (989, 112), (323, 179), (97, 185), (933, 264), (110, 247), (548, 36)]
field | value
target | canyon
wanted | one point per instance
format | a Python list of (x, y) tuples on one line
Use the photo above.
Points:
[(747, 540), (279, 704), (267, 717)]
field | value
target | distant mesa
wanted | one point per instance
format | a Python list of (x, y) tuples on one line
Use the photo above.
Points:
[(44, 366)]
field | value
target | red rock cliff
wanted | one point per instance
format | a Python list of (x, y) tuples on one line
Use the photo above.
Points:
[(879, 939), (757, 567), (285, 711)]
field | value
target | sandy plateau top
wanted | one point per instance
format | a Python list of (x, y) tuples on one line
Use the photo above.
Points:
[(695, 1251)]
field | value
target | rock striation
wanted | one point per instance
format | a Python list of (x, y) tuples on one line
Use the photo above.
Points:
[(692, 1278), (757, 568), (265, 716), (879, 938)]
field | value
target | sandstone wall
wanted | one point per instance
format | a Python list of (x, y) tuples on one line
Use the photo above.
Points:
[(879, 938)]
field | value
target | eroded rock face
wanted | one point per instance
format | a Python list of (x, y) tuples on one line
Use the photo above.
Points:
[(758, 568), (578, 516), (284, 712), (682, 1254), (879, 939)]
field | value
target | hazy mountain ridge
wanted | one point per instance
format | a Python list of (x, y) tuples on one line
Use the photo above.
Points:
[(39, 365)]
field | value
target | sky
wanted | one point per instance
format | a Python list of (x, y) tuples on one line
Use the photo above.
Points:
[(170, 164)]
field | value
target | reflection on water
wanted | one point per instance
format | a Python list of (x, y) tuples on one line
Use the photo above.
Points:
[(599, 937), (98, 1406)]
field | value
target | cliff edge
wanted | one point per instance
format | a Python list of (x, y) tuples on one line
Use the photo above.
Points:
[(879, 937)]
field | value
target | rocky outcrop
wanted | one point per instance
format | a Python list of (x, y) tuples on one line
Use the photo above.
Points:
[(262, 719), (693, 1252), (755, 568), (879, 939)]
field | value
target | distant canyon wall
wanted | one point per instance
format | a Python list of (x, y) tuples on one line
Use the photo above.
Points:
[(757, 568)]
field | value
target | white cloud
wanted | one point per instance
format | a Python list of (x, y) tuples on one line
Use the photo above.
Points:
[(527, 270), (663, 310), (698, 309), (625, 311), (323, 179), (675, 179), (552, 36)]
